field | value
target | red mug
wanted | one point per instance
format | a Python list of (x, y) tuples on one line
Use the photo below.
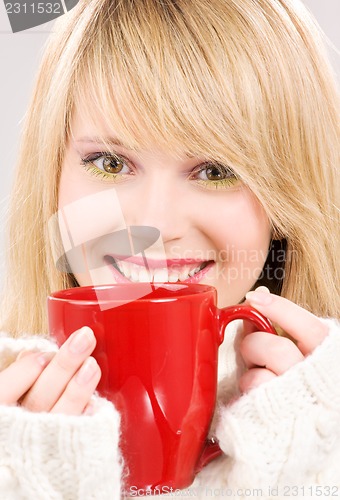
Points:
[(158, 355)]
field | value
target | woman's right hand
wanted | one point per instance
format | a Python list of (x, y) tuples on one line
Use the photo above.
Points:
[(61, 382)]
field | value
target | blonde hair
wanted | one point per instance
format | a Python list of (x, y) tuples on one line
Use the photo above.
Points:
[(243, 82)]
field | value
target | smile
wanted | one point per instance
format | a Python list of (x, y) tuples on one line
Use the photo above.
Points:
[(140, 271)]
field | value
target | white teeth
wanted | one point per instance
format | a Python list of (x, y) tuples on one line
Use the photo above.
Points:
[(145, 276), (136, 273), (184, 273), (194, 271), (160, 275), (173, 277), (125, 268), (134, 270)]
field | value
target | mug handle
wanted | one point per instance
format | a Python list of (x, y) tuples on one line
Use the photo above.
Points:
[(240, 311), (224, 317), (210, 452)]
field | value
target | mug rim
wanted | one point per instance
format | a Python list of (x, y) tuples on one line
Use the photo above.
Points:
[(69, 294)]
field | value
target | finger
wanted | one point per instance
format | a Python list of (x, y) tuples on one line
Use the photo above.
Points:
[(262, 289), (52, 382), (248, 326), (275, 353), (90, 408), (17, 379), (80, 389), (22, 354), (254, 378), (302, 325)]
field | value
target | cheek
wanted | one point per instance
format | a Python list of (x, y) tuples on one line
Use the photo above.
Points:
[(86, 211), (240, 234), (240, 230), (87, 216)]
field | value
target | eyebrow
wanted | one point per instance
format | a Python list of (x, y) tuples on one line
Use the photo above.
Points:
[(113, 141), (103, 140)]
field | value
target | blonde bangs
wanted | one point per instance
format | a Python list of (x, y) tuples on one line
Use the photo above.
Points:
[(213, 81), (153, 75)]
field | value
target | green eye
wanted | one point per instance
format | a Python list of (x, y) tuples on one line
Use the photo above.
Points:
[(214, 176), (107, 166)]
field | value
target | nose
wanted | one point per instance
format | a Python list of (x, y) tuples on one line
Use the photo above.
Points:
[(159, 203)]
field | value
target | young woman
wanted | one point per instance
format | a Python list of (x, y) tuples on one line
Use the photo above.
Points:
[(215, 122)]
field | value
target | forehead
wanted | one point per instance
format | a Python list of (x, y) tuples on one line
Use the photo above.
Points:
[(89, 130), (105, 111), (90, 125)]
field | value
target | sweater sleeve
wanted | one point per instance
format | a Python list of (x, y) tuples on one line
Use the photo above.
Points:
[(286, 432), (57, 456)]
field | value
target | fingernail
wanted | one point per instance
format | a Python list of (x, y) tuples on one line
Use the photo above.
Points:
[(81, 340), (87, 371), (262, 289), (259, 298), (22, 354), (44, 358)]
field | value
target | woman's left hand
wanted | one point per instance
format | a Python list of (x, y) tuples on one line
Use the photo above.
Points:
[(266, 356)]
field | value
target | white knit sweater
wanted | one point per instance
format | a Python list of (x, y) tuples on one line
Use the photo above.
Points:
[(280, 440)]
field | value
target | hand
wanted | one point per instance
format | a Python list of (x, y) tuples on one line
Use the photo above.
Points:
[(61, 382), (266, 356)]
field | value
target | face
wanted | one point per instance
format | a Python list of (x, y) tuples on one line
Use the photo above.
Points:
[(152, 216)]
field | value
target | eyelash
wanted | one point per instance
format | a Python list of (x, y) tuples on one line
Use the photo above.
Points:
[(92, 169)]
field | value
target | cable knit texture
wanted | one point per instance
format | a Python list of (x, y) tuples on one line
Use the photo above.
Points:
[(284, 433), (47, 456)]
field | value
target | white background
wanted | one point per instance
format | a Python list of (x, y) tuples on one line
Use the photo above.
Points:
[(19, 57)]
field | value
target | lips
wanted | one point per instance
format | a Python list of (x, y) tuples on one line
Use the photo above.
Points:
[(164, 271)]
